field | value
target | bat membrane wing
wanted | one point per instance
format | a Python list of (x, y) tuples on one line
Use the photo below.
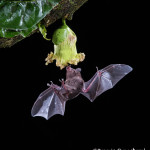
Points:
[(48, 104), (48, 89), (115, 72), (104, 79)]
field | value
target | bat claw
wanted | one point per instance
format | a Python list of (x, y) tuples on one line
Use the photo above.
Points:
[(97, 68), (99, 72)]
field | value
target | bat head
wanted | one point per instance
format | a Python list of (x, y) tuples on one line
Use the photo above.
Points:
[(72, 72), (74, 81)]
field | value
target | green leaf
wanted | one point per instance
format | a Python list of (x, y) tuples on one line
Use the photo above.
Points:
[(11, 33), (16, 16)]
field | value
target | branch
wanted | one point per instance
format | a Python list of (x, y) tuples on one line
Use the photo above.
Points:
[(65, 8)]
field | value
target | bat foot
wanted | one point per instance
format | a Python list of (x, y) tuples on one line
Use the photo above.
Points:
[(49, 84), (61, 80)]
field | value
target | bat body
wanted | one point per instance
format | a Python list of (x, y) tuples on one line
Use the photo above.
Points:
[(52, 101)]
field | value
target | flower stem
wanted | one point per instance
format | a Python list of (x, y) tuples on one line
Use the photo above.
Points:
[(64, 21)]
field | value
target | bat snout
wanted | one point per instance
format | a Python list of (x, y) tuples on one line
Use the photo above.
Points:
[(68, 68)]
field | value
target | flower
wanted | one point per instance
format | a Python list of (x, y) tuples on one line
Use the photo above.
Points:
[(65, 51)]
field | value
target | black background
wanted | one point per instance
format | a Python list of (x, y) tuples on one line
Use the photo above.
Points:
[(108, 32)]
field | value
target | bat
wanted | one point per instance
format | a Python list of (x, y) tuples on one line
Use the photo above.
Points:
[(53, 100)]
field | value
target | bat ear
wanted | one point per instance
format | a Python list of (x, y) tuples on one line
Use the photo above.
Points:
[(78, 69)]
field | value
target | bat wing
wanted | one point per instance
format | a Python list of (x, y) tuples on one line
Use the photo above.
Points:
[(49, 103), (104, 79)]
